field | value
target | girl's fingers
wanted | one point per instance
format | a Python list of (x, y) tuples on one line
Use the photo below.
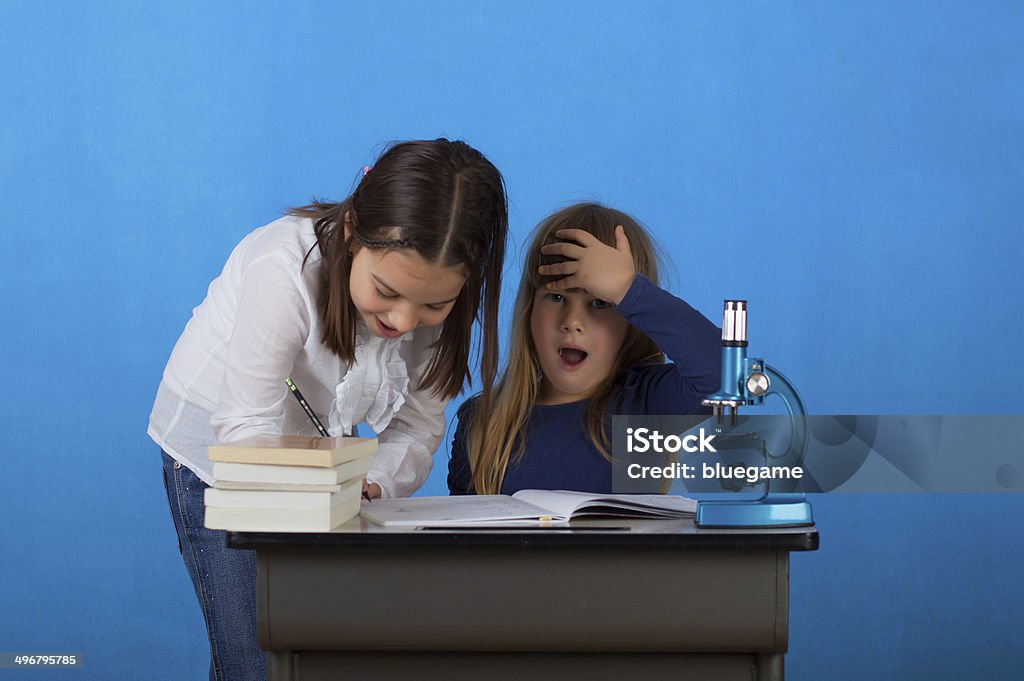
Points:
[(621, 242), (563, 284), (569, 267), (578, 235), (563, 248)]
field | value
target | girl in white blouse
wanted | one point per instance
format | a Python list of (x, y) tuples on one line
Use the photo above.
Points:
[(369, 305)]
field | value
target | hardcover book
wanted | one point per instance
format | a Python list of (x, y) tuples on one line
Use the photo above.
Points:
[(251, 510), (294, 450)]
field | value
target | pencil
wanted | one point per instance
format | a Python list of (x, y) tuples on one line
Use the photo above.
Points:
[(305, 406), (312, 416)]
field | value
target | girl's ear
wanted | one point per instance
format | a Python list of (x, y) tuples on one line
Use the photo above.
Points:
[(346, 223)]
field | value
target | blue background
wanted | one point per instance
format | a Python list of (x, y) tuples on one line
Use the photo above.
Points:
[(854, 170)]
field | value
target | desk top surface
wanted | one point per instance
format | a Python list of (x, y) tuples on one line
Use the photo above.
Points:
[(603, 533)]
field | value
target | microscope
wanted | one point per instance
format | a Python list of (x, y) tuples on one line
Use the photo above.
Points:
[(747, 381)]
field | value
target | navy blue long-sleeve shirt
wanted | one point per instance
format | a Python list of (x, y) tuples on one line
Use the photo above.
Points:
[(557, 453)]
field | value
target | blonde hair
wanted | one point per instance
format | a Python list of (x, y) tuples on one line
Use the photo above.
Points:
[(494, 432)]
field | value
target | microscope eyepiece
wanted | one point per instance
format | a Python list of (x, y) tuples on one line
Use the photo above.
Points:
[(734, 323)]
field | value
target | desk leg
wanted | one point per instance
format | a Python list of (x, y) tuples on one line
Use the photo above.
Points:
[(281, 665), (771, 667)]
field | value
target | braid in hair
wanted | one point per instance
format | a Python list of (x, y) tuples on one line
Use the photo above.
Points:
[(387, 243)]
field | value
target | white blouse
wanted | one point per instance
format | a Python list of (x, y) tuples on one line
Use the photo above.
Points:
[(259, 324)]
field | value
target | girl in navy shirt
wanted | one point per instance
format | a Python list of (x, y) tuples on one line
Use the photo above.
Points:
[(591, 329)]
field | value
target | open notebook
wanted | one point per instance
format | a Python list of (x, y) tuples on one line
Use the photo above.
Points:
[(526, 507)]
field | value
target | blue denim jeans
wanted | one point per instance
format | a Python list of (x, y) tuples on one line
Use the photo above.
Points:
[(224, 580)]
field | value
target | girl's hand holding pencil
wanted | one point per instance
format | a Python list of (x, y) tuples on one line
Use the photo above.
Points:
[(371, 491)]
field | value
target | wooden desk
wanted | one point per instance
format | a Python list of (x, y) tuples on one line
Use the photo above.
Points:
[(612, 599)]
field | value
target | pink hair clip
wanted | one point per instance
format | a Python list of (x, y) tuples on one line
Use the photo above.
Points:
[(366, 169)]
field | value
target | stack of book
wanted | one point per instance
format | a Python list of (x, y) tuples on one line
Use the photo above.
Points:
[(287, 483)]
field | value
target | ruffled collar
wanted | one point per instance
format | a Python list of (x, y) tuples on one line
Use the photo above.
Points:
[(374, 388)]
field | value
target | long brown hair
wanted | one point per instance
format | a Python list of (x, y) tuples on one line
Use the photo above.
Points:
[(445, 201), (494, 433)]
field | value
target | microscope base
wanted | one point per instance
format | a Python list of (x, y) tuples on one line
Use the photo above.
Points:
[(765, 512)]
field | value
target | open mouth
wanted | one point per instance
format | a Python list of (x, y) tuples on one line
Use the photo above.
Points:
[(571, 358), (387, 331)]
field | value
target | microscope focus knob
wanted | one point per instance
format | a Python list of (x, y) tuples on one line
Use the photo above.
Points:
[(758, 384)]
